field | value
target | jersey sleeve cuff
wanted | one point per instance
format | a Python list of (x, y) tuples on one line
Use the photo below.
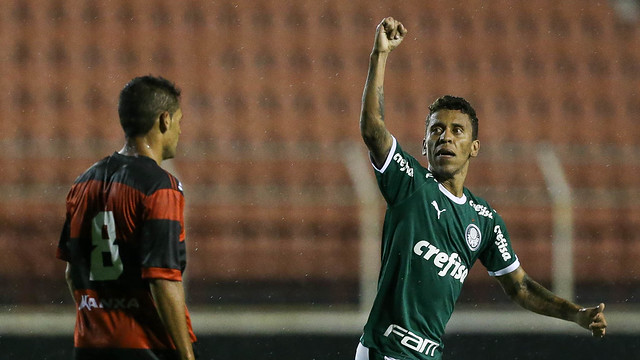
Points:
[(392, 151), (161, 273), (509, 269)]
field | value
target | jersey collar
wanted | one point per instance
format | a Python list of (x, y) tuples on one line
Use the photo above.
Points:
[(458, 200)]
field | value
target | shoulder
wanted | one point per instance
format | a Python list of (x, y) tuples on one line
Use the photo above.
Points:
[(481, 206), (151, 177), (405, 162), (140, 173), (93, 172)]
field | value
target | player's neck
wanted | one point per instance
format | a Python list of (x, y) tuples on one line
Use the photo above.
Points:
[(141, 146), (455, 188), (455, 182)]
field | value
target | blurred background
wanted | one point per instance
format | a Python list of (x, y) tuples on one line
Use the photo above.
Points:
[(283, 215)]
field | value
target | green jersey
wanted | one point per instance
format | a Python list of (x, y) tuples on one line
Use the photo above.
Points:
[(430, 240)]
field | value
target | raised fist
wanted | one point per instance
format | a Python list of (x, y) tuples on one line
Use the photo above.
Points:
[(389, 34)]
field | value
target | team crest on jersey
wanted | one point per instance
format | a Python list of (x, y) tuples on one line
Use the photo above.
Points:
[(473, 237)]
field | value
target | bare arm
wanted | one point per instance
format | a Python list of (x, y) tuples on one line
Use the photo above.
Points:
[(534, 297), (389, 34), (169, 298), (67, 277)]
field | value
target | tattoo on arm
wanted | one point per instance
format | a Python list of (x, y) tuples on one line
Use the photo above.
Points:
[(372, 119), (537, 298)]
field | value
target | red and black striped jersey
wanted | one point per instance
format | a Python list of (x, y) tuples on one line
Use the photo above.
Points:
[(124, 225)]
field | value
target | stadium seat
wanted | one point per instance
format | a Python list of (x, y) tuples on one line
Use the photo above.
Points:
[(269, 104)]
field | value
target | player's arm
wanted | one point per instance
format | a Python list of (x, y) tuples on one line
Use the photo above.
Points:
[(169, 298), (67, 277), (534, 297), (389, 34)]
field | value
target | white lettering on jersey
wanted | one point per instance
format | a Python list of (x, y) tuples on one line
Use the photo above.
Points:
[(435, 205), (412, 341), (481, 209), (501, 243), (404, 164), (442, 260), (89, 302)]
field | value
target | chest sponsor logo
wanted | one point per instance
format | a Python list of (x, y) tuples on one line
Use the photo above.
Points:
[(501, 243), (411, 340), (473, 236), (404, 164), (449, 264), (89, 302)]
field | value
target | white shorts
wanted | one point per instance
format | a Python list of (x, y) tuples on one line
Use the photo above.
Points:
[(362, 353)]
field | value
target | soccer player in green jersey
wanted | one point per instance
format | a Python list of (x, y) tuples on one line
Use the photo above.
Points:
[(435, 229)]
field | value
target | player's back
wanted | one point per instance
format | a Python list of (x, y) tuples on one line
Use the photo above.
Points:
[(108, 210), (124, 226)]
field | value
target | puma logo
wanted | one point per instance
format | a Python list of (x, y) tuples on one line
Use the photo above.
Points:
[(435, 205)]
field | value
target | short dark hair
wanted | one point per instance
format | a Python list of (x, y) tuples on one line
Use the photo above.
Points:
[(142, 100), (449, 102)]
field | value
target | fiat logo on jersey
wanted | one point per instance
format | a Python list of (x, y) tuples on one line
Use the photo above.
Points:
[(473, 237)]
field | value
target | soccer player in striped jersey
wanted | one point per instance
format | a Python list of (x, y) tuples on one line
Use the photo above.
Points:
[(435, 229), (124, 240)]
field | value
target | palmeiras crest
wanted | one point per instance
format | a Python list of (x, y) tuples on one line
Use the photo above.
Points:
[(473, 237)]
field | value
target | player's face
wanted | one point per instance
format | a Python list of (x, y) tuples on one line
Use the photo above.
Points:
[(449, 143), (172, 135)]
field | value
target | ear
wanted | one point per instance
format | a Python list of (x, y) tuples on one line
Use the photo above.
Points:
[(424, 147), (164, 121), (475, 148)]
